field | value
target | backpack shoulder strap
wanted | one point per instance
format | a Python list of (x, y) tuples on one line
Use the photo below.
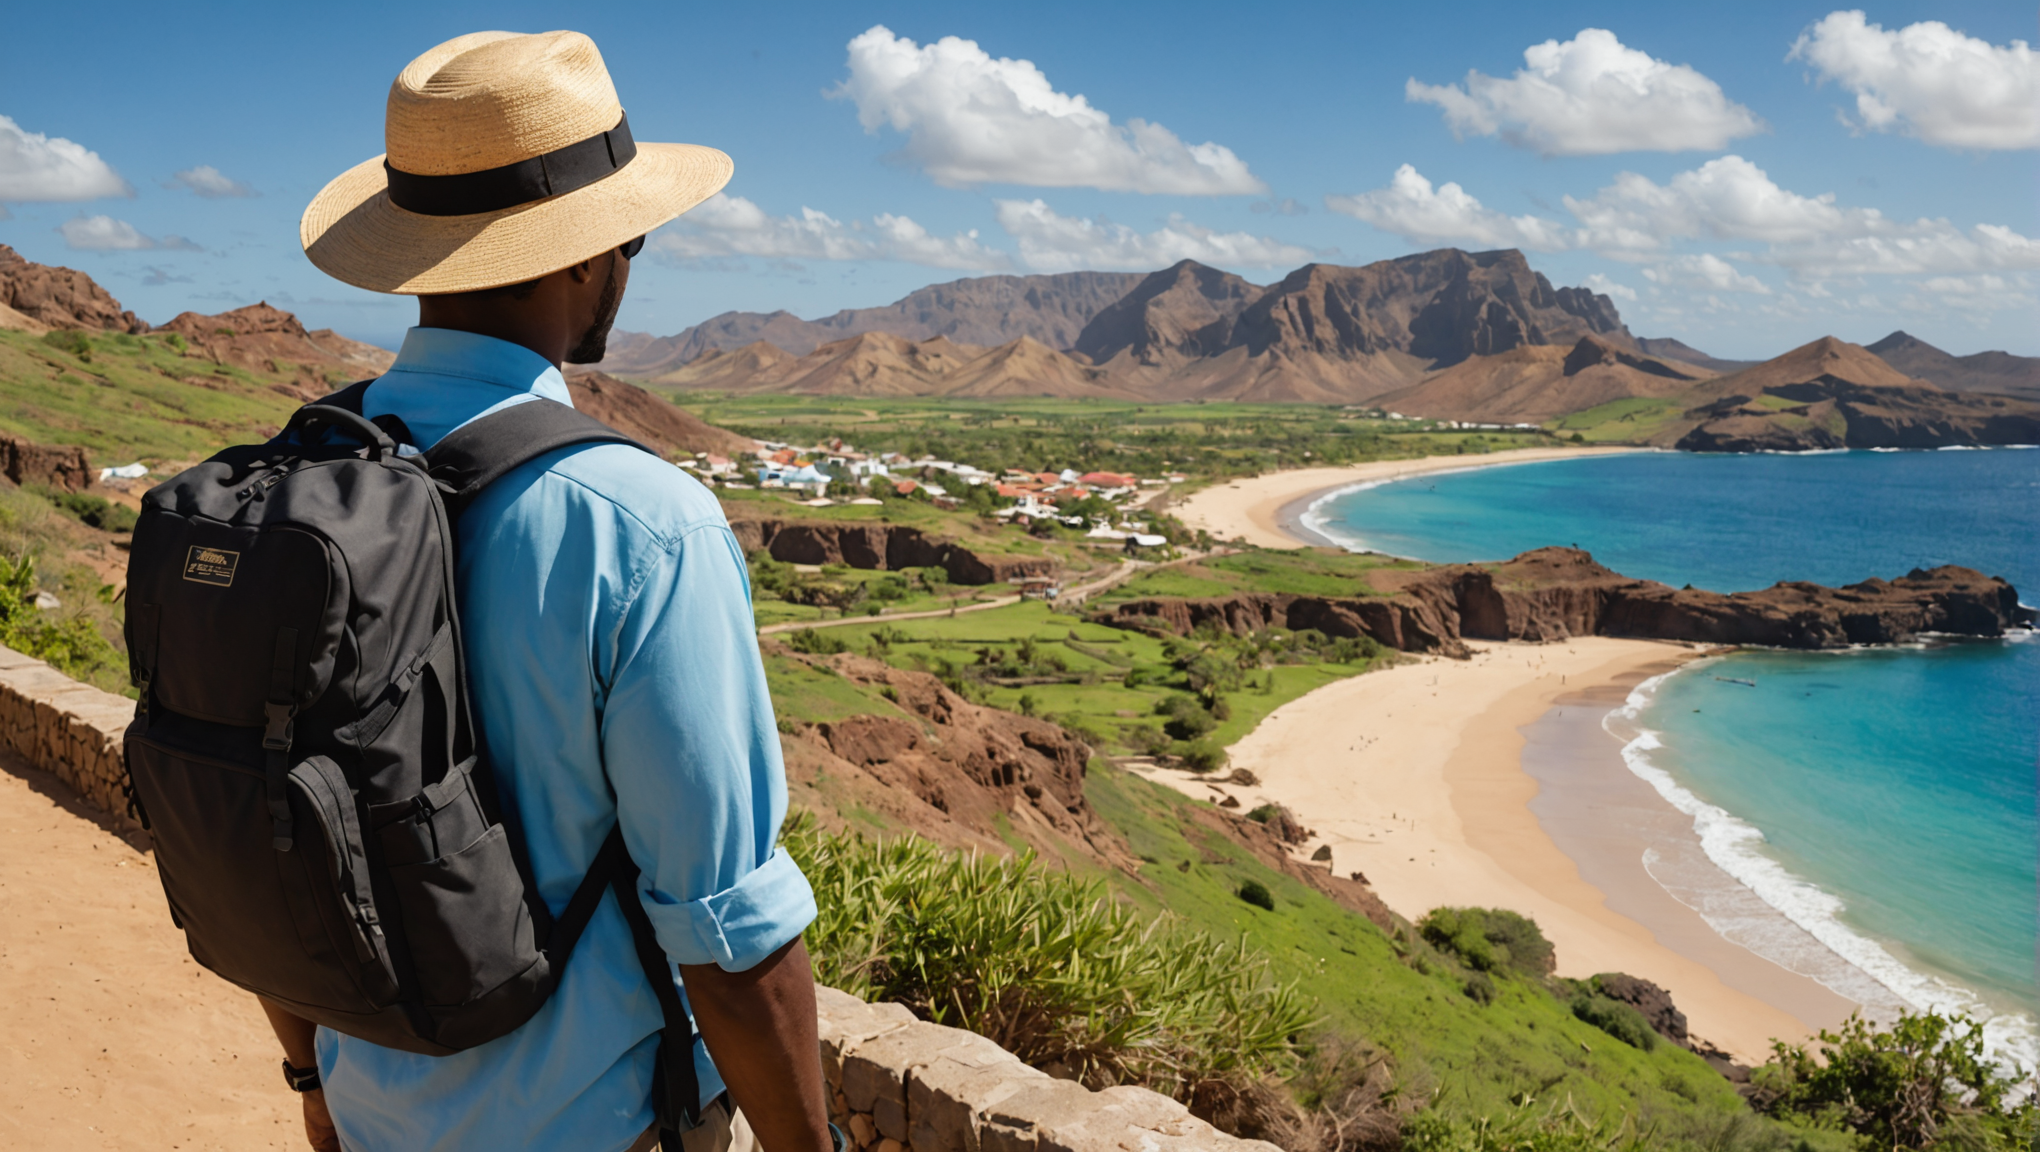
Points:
[(483, 450)]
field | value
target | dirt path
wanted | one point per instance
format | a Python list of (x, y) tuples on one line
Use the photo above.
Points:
[(110, 1036)]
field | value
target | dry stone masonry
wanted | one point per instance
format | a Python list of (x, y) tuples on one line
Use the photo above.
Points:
[(900, 1084), (67, 728)]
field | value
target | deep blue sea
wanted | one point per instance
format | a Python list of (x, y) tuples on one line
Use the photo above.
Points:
[(1885, 800)]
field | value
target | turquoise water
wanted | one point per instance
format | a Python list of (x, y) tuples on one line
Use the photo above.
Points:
[(1883, 799)]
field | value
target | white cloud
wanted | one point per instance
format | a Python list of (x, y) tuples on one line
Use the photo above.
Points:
[(1727, 199), (1705, 271), (1732, 199), (1054, 243), (1607, 287), (105, 234), (971, 119), (724, 226), (1590, 96), (38, 167), (1930, 81), (1410, 207), (210, 183)]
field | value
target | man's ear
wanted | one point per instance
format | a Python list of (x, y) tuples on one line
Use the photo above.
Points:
[(582, 272)]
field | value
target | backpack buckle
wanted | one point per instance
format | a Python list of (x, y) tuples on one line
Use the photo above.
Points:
[(277, 736)]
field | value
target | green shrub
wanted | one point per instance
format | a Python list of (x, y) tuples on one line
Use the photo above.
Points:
[(1622, 1021), (1256, 893), (1145, 738), (1187, 719), (816, 642), (1044, 963), (1203, 755), (1491, 940), (94, 510), (1923, 1083), (176, 342), (68, 640), (70, 340)]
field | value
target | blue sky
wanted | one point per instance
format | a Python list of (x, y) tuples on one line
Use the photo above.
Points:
[(1881, 177)]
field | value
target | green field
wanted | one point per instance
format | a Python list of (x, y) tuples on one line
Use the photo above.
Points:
[(1201, 440), (1629, 421)]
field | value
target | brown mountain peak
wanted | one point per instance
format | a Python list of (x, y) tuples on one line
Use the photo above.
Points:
[(61, 297)]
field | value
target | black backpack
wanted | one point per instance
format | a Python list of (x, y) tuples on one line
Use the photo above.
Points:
[(326, 827)]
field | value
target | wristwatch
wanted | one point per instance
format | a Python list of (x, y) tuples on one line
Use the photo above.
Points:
[(301, 1079)]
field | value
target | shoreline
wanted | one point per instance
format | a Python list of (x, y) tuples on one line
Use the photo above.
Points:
[(1267, 510), (1416, 776)]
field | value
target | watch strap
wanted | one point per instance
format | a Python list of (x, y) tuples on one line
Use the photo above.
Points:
[(301, 1079)]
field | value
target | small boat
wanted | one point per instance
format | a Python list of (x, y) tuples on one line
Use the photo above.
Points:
[(1733, 680)]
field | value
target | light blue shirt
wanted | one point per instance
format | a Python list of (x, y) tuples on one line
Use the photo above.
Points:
[(613, 660)]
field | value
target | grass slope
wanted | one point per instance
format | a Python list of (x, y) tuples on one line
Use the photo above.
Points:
[(127, 398), (1471, 1059)]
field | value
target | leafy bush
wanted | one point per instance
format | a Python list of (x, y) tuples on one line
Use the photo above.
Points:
[(1044, 963), (1924, 1083), (1145, 738), (70, 340), (1187, 719), (1491, 940), (94, 510), (1256, 893), (1203, 755), (1265, 813), (68, 641), (1622, 1021), (816, 642)]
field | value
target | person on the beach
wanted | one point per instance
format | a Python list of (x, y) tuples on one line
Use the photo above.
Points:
[(608, 628)]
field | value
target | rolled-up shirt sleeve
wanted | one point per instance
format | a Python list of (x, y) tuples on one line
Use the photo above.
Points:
[(691, 747)]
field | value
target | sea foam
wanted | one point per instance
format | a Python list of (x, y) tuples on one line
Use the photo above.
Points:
[(1854, 966)]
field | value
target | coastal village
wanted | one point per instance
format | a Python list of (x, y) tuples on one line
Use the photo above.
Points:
[(1106, 507)]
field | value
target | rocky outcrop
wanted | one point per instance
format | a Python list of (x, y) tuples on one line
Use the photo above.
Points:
[(887, 547), (57, 465), (1999, 372), (1554, 593), (981, 310), (61, 297), (968, 761), (896, 1083), (1833, 394), (653, 421), (264, 338)]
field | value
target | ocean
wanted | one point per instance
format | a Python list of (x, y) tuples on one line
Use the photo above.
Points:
[(1884, 800)]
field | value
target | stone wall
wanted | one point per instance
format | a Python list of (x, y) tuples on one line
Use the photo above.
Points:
[(896, 1083), (899, 1084), (71, 729)]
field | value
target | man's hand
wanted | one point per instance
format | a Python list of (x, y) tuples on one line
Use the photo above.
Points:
[(759, 1025), (319, 1123)]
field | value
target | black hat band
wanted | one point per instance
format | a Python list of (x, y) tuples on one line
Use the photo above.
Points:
[(554, 173)]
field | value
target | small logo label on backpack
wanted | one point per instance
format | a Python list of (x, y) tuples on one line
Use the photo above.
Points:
[(210, 565)]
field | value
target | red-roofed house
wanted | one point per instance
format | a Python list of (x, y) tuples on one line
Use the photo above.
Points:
[(1107, 480)]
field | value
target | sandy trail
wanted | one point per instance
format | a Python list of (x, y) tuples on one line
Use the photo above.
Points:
[(1413, 775), (110, 1036), (1251, 509)]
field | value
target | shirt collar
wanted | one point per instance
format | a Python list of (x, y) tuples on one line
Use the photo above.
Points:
[(483, 359)]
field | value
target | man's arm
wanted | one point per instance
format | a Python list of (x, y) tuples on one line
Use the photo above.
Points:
[(295, 1033), (692, 750), (759, 1025)]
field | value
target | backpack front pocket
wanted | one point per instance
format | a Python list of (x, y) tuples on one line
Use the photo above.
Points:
[(227, 882), (464, 916)]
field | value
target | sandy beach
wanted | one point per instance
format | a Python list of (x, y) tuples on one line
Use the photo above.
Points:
[(1254, 509), (1414, 777)]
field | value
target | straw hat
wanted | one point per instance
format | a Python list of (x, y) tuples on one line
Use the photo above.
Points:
[(509, 158)]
